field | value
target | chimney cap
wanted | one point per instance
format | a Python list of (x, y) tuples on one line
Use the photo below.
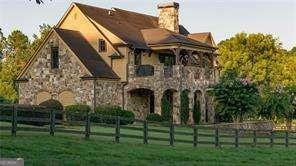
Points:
[(168, 4)]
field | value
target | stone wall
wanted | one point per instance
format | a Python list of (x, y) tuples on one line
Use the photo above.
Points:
[(191, 78), (41, 78), (109, 93)]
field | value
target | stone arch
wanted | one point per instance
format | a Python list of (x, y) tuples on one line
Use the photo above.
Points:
[(66, 98), (42, 96), (173, 98), (141, 101)]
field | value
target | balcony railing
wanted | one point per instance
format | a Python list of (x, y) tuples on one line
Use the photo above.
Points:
[(144, 70)]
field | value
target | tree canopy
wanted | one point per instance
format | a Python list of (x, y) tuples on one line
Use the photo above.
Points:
[(259, 57), (17, 50)]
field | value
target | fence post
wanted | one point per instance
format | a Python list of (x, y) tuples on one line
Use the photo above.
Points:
[(236, 138), (52, 122), (271, 138), (287, 139), (117, 129), (87, 125), (145, 132), (216, 137), (14, 121), (172, 134), (195, 133), (254, 138)]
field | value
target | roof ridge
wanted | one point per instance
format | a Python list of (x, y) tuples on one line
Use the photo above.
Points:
[(135, 12)]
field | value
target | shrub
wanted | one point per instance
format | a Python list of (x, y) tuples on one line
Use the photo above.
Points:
[(77, 112), (154, 117), (196, 113), (166, 109), (107, 114), (26, 111), (184, 112), (54, 105)]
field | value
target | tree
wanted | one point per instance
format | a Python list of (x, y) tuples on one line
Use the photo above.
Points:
[(277, 104), (255, 56), (166, 109), (235, 96), (184, 112), (196, 112), (44, 30), (18, 50)]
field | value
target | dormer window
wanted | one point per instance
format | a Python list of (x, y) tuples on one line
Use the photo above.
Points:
[(102, 45), (54, 57)]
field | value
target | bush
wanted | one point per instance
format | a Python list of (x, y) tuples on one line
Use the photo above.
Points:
[(107, 114), (154, 117), (26, 111), (196, 113), (184, 112), (54, 105), (77, 112), (166, 109)]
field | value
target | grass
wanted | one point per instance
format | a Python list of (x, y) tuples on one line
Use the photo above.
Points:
[(41, 149)]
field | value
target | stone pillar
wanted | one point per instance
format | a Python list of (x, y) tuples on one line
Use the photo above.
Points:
[(191, 104), (157, 101), (203, 107), (176, 107)]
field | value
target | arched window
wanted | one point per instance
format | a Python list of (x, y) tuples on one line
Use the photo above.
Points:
[(42, 96), (67, 98)]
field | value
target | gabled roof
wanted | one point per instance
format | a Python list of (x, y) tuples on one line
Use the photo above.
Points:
[(86, 54), (160, 36), (126, 25), (203, 37)]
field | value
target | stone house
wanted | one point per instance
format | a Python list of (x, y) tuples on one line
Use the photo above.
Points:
[(112, 56)]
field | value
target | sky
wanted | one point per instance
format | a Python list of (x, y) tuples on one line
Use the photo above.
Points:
[(224, 18)]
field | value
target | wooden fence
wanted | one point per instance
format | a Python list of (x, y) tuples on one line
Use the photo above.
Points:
[(195, 134)]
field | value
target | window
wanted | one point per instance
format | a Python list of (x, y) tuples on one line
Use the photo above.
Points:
[(54, 57), (102, 45)]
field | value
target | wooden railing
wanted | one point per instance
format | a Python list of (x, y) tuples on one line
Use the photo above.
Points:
[(146, 130)]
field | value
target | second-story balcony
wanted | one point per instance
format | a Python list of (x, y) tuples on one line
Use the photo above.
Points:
[(175, 72)]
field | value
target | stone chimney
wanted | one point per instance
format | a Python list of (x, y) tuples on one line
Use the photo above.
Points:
[(169, 16)]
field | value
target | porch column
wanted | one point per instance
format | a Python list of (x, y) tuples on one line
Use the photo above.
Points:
[(191, 104), (157, 101), (176, 107), (176, 52)]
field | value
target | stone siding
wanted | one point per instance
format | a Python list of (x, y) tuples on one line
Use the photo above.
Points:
[(41, 78)]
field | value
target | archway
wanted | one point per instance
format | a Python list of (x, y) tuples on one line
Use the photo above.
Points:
[(141, 102), (67, 98), (168, 105), (42, 96)]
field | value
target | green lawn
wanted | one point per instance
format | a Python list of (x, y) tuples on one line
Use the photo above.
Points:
[(41, 149)]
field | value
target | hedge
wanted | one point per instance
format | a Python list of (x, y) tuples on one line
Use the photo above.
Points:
[(28, 111), (107, 114), (77, 112), (154, 117)]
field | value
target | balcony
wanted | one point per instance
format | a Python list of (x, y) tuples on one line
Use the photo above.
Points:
[(172, 73), (144, 70)]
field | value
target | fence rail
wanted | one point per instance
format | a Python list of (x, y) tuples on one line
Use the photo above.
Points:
[(148, 131)]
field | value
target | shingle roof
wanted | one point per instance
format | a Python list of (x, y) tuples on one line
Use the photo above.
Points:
[(86, 53), (202, 37), (126, 25), (164, 36)]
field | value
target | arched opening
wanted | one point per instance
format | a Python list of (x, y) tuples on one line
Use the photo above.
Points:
[(67, 98), (184, 111), (141, 102), (42, 96), (167, 104)]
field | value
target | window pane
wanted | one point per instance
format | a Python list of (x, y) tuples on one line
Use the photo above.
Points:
[(54, 57)]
